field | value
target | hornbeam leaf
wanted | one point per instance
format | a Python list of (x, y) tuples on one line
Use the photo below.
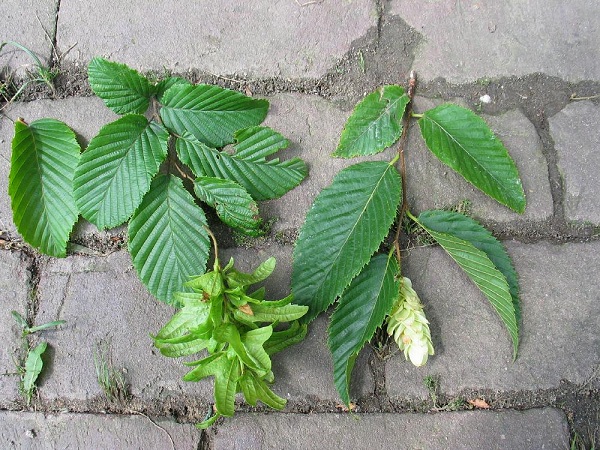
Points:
[(375, 123), (115, 171), (232, 202), (123, 89), (469, 230), (344, 227), (168, 240), (210, 113), (481, 270), (362, 308), (465, 143), (262, 179), (43, 161)]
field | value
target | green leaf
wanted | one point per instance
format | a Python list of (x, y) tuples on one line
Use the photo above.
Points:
[(265, 313), (481, 270), (115, 171), (465, 143), (469, 230), (123, 89), (226, 382), (246, 383), (375, 124), (44, 156), (164, 85), (210, 366), (267, 396), (262, 179), (46, 326), (362, 308), (344, 227), (211, 283), (33, 368), (168, 240), (256, 143), (253, 341), (262, 272), (208, 422), (232, 202), (212, 114), (20, 320), (282, 339)]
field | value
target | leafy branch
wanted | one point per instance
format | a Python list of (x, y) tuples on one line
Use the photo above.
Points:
[(354, 215)]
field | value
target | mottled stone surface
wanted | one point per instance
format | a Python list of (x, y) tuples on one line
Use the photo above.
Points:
[(22, 430), (471, 39), (576, 134), (261, 38), (537, 428)]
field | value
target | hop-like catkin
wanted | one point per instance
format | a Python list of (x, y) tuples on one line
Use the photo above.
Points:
[(409, 326)]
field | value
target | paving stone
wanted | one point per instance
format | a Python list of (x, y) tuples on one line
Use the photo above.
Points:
[(14, 290), (559, 331), (261, 38), (313, 127), (576, 134), (472, 39), (84, 115), (304, 370), (29, 23), (537, 428), (33, 431), (433, 185), (103, 301)]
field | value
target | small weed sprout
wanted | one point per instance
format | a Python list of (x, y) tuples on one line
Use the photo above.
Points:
[(111, 380)]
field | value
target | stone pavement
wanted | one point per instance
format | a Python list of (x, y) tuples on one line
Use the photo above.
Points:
[(538, 63)]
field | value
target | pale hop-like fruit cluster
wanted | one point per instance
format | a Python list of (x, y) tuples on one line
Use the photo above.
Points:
[(409, 326)]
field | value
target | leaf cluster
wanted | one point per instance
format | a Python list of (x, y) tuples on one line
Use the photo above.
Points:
[(336, 254), (134, 169), (239, 331)]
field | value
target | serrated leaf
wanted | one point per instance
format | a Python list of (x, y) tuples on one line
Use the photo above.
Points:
[(262, 272), (469, 230), (33, 367), (212, 114), (375, 124), (168, 240), (465, 143), (43, 161), (265, 313), (116, 170), (267, 396), (282, 339), (481, 270), (226, 382), (233, 204), (361, 309), (164, 85), (256, 143), (262, 179), (121, 88), (344, 227)]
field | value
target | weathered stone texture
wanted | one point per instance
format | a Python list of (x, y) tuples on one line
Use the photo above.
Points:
[(559, 331), (537, 428), (36, 431), (261, 38), (472, 39), (576, 134)]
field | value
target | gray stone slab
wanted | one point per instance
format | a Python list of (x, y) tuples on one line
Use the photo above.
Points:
[(576, 134), (261, 38), (84, 115), (560, 338), (304, 370), (14, 291), (313, 126), (36, 431), (468, 40), (537, 428), (103, 300), (433, 185), (26, 22)]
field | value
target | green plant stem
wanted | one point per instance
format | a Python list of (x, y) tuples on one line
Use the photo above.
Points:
[(412, 85), (415, 115)]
